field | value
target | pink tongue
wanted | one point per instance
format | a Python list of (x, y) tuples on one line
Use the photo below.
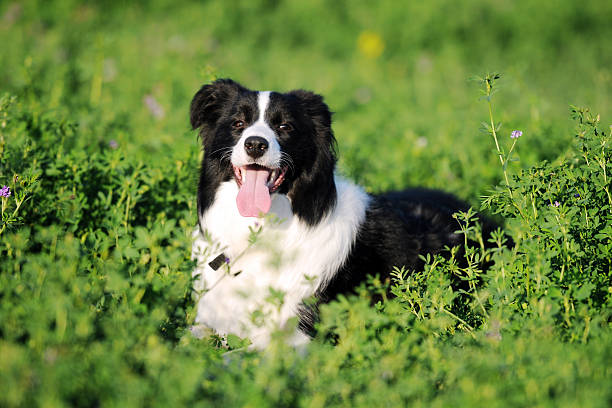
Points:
[(254, 195)]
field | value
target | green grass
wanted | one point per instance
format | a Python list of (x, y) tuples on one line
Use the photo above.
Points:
[(95, 286)]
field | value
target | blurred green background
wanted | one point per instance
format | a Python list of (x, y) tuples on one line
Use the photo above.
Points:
[(396, 74)]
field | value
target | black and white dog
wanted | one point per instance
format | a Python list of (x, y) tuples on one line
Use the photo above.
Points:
[(277, 225)]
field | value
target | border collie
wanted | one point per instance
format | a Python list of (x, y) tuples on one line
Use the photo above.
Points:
[(278, 226)]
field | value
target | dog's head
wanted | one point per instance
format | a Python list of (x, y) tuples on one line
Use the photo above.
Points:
[(268, 143)]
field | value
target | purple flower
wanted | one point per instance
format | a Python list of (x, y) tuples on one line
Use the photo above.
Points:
[(516, 134), (113, 144), (154, 107), (576, 195), (5, 191), (227, 260), (555, 204)]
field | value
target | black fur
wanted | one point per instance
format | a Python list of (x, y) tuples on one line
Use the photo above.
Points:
[(399, 226)]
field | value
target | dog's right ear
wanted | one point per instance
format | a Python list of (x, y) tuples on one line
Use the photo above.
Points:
[(208, 102)]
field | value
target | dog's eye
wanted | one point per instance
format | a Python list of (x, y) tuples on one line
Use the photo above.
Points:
[(285, 127), (238, 124)]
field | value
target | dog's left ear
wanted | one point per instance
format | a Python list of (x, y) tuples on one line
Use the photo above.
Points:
[(314, 191), (315, 107), (320, 114)]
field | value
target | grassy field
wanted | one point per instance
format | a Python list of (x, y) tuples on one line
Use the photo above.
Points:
[(100, 168)]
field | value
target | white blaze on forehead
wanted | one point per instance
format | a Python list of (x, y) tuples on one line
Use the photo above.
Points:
[(263, 99), (260, 127)]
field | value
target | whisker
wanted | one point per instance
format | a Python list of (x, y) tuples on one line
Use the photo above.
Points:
[(226, 152), (220, 149), (288, 164), (227, 156), (288, 161)]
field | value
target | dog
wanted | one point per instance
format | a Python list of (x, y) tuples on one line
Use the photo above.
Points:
[(277, 226)]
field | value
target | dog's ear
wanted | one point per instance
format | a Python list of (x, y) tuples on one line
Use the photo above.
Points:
[(315, 107), (317, 110), (208, 102), (313, 193)]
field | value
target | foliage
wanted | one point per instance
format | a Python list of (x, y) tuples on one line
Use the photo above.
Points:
[(95, 150)]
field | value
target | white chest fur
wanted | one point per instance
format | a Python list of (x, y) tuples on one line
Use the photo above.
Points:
[(287, 262)]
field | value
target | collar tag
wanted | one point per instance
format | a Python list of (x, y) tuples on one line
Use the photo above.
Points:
[(218, 261)]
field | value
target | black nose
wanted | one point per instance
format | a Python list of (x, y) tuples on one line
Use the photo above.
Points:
[(255, 146)]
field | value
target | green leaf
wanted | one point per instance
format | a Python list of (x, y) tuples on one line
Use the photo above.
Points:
[(234, 342), (584, 291)]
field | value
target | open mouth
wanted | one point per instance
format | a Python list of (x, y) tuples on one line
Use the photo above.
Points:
[(273, 181), (255, 184)]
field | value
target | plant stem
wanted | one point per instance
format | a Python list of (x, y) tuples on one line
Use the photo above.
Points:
[(494, 133), (12, 215)]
